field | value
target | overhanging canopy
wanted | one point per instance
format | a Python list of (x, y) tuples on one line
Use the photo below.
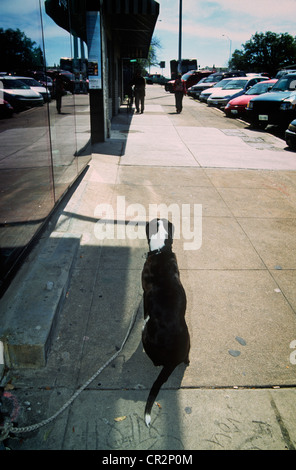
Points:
[(132, 22), (69, 15)]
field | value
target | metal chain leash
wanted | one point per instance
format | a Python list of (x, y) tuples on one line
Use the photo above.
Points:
[(8, 427)]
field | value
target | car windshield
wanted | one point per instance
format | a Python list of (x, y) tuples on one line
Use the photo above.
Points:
[(186, 76), (67, 76), (43, 78), (235, 84), (30, 82), (285, 84), (222, 83), (200, 81), (13, 84), (213, 78), (259, 88), (284, 72)]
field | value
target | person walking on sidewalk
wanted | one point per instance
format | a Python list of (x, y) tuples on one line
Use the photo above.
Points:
[(59, 91), (180, 91), (139, 91)]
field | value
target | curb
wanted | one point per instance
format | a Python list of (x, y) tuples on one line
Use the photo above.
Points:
[(32, 304)]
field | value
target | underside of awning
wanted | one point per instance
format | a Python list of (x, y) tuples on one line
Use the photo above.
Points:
[(69, 15), (132, 22)]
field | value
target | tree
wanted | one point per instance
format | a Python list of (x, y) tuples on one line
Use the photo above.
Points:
[(18, 52), (265, 53), (152, 55)]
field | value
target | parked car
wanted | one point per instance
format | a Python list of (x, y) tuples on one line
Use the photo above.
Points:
[(208, 91), (156, 78), (42, 78), (190, 78), (169, 86), (277, 107), (36, 86), (6, 110), (290, 135), (193, 77), (237, 106), (214, 78), (205, 83), (235, 87), (68, 79), (193, 91), (149, 79), (283, 72), (263, 74), (18, 94)]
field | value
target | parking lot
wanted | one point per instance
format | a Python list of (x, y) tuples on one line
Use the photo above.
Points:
[(256, 98)]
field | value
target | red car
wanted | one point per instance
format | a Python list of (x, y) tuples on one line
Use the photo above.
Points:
[(237, 106)]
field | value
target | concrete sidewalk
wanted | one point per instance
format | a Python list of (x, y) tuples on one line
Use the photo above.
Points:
[(239, 391)]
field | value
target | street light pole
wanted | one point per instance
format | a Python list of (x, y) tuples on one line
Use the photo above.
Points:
[(180, 39)]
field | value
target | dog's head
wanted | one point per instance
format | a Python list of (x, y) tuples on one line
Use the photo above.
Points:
[(159, 234)]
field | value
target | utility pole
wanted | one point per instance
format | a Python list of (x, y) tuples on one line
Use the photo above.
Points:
[(180, 38)]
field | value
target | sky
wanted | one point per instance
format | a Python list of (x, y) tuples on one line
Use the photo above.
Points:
[(211, 30), (24, 14)]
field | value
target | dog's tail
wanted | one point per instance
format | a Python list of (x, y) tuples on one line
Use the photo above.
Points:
[(161, 379)]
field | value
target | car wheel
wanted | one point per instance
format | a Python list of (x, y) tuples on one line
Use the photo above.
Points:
[(290, 144), (259, 125)]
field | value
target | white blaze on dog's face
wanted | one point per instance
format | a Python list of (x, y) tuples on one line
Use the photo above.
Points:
[(157, 241)]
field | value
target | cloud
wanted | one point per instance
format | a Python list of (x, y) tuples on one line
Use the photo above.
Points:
[(264, 9), (239, 20), (191, 28), (213, 11)]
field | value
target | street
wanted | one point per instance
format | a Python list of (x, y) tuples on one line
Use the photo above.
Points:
[(232, 193)]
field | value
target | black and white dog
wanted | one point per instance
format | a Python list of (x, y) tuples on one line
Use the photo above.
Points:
[(165, 335)]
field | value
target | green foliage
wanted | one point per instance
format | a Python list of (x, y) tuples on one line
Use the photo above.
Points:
[(18, 52), (265, 53), (152, 59)]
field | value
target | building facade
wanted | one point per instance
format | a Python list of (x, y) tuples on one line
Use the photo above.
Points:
[(116, 31), (44, 151)]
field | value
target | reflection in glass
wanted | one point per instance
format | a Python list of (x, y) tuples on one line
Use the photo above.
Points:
[(41, 151)]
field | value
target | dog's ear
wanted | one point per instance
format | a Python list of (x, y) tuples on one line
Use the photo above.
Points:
[(151, 228), (169, 228)]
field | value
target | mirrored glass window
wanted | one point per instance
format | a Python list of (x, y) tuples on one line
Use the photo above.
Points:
[(44, 122)]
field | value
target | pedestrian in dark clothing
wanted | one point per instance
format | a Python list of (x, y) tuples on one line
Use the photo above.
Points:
[(139, 90), (180, 91), (59, 91), (130, 97)]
